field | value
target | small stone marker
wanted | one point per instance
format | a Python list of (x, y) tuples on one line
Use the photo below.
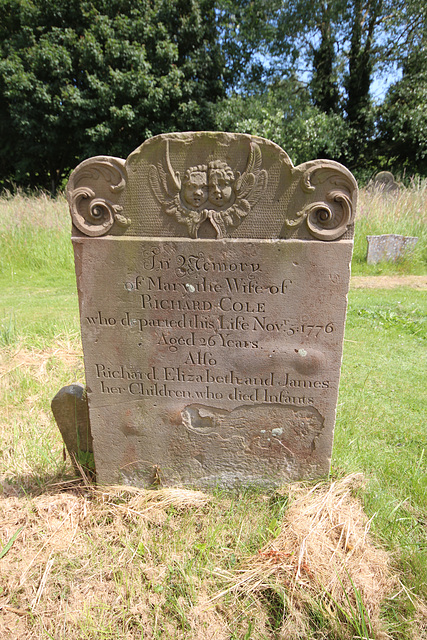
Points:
[(70, 410), (212, 279), (389, 247)]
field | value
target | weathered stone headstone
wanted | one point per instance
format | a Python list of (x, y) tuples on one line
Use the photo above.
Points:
[(384, 182), (389, 247), (212, 279)]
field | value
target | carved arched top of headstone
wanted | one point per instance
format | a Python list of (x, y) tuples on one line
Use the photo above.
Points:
[(94, 193), (212, 185), (328, 210)]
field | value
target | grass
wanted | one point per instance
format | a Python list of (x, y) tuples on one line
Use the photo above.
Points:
[(402, 213), (79, 562), (381, 425), (36, 271)]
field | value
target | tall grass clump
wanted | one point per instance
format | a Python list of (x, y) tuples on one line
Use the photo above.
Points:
[(403, 213), (34, 235), (36, 270)]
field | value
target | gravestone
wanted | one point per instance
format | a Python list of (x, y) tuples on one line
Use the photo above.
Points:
[(212, 278), (389, 247), (70, 411), (384, 182)]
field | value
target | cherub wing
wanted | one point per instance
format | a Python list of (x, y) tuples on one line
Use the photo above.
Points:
[(248, 188), (253, 181), (166, 186), (165, 183)]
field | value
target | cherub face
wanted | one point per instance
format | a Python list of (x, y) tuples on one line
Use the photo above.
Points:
[(195, 189), (220, 187)]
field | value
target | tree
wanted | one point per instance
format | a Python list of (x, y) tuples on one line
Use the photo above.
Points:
[(403, 118), (324, 81), (336, 47), (285, 114), (80, 78), (364, 18)]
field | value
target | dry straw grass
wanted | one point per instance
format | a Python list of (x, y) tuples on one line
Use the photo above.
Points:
[(403, 206), (61, 563), (62, 571), (37, 360), (40, 211), (322, 558), (139, 503)]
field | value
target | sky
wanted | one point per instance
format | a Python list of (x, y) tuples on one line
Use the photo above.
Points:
[(381, 84)]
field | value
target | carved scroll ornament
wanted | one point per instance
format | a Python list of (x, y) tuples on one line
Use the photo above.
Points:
[(211, 191), (92, 212), (329, 217)]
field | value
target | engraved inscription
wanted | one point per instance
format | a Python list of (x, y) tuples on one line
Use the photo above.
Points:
[(161, 382), (217, 336)]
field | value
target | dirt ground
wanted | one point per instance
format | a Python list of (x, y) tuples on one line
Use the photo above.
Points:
[(388, 282)]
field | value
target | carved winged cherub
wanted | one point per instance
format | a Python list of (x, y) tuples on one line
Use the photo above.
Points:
[(210, 191)]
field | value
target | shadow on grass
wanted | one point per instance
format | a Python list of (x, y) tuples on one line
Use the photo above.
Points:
[(30, 485)]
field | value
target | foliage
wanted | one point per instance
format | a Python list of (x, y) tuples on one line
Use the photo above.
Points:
[(403, 118), (285, 114), (80, 78), (338, 48)]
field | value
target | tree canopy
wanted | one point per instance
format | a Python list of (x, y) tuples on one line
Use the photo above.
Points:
[(80, 78), (338, 47), (85, 77), (403, 119)]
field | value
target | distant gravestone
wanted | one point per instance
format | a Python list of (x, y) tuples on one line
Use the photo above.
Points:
[(385, 183), (212, 279), (389, 247)]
